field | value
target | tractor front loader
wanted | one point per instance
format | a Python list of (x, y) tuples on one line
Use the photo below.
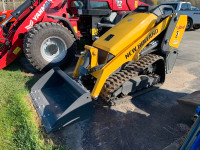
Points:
[(37, 32), (132, 56)]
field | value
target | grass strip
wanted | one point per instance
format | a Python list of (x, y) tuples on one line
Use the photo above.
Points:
[(19, 128)]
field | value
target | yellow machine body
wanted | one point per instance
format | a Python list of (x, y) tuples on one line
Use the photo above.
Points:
[(125, 41), (130, 29), (178, 32)]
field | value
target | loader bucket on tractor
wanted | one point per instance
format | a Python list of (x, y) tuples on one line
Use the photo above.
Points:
[(60, 101)]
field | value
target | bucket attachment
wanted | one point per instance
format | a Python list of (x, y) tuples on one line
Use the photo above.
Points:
[(60, 101)]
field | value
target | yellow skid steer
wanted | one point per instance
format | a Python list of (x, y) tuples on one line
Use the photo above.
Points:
[(132, 56)]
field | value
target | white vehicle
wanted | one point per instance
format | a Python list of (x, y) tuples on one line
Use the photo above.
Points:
[(185, 8)]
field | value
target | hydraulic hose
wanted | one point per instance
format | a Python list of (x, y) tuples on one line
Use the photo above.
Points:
[(22, 8)]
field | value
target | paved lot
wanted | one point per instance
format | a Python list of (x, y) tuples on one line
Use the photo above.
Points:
[(151, 121)]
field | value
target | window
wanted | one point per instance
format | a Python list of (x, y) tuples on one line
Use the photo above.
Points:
[(194, 8), (2, 17), (185, 6), (98, 5), (78, 4), (173, 5), (92, 4), (167, 9)]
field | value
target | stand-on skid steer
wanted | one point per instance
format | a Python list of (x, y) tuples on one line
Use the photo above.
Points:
[(132, 56)]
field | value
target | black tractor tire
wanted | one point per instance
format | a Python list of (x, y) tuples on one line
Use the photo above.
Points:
[(196, 27), (48, 45), (189, 24)]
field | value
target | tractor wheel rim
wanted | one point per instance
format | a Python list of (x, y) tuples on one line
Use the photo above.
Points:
[(53, 49)]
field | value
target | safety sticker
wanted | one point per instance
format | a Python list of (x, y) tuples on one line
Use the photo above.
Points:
[(17, 50), (136, 4)]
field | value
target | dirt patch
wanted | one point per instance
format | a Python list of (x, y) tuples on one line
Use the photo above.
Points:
[(178, 80), (27, 74), (49, 138), (128, 107), (32, 108)]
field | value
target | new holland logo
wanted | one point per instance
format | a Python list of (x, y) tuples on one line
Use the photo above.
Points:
[(38, 14), (142, 43)]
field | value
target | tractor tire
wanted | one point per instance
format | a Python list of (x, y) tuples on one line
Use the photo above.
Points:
[(189, 24), (196, 27), (48, 45)]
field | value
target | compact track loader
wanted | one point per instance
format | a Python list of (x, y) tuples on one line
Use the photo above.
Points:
[(132, 56)]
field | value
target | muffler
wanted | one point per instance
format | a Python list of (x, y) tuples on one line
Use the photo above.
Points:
[(60, 101)]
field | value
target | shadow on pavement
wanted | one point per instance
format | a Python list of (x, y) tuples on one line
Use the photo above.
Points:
[(151, 121)]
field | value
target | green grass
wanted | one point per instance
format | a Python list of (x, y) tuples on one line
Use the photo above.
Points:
[(19, 125)]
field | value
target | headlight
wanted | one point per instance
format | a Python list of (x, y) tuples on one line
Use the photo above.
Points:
[(2, 17)]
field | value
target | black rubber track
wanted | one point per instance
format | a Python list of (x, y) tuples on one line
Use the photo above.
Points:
[(35, 37), (115, 81)]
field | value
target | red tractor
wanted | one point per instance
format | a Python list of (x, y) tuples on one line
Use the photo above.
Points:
[(47, 30)]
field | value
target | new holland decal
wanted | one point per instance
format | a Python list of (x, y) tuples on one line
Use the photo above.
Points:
[(141, 44)]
